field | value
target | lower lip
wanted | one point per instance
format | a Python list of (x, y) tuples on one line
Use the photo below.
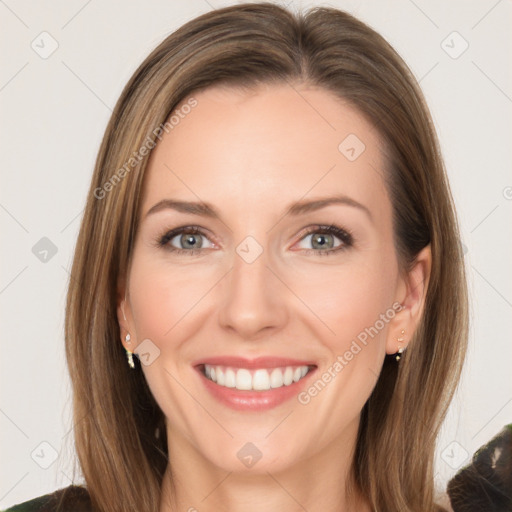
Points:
[(254, 400)]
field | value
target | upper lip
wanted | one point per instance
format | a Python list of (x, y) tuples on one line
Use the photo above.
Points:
[(259, 362)]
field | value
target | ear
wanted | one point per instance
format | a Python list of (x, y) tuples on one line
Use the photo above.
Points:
[(124, 316), (411, 294)]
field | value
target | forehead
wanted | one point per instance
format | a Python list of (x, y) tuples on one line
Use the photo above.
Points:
[(276, 143)]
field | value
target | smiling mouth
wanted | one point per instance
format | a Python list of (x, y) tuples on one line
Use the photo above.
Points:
[(258, 379)]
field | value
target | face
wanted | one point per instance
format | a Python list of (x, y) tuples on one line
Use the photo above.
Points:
[(264, 289)]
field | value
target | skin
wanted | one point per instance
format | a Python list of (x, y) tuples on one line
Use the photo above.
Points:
[(251, 155)]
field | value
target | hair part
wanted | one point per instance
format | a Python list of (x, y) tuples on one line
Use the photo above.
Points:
[(116, 419)]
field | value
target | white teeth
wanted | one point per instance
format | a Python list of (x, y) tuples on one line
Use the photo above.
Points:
[(257, 380), (260, 380), (288, 376), (230, 378), (243, 379), (276, 378)]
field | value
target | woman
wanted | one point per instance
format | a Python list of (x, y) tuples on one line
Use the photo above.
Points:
[(219, 359)]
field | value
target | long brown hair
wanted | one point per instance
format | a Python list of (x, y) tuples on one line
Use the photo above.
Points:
[(119, 433)]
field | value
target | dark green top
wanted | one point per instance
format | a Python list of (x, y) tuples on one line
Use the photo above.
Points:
[(69, 499), (485, 484)]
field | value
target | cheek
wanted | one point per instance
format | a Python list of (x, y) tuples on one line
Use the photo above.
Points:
[(355, 302), (351, 299), (162, 296), (163, 303)]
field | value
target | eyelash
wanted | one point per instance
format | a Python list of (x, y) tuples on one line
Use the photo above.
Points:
[(344, 235)]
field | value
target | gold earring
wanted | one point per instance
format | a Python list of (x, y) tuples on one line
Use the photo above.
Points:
[(401, 349), (129, 354)]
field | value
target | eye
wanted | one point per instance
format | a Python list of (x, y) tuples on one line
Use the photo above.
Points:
[(321, 240), (187, 239), (325, 240)]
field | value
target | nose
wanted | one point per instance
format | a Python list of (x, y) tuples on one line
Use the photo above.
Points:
[(255, 300)]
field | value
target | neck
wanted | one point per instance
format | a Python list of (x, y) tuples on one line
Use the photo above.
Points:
[(323, 482)]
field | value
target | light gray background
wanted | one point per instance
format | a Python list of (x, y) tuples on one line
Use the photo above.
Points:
[(55, 109)]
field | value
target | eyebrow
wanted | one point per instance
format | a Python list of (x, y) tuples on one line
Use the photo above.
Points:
[(299, 208)]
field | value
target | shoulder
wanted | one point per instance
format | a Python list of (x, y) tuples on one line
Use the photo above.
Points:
[(70, 499), (485, 483)]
